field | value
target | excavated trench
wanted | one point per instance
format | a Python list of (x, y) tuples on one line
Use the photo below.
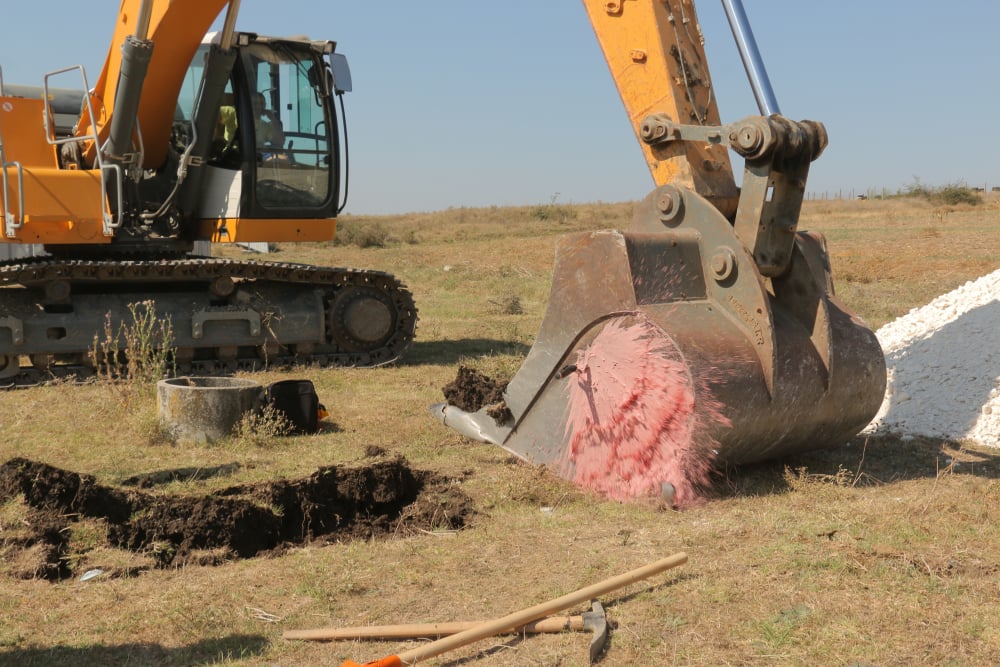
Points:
[(382, 496)]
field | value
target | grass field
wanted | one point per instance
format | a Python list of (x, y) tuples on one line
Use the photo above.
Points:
[(883, 552)]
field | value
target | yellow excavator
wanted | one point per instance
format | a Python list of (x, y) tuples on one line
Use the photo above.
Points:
[(708, 333), (185, 137)]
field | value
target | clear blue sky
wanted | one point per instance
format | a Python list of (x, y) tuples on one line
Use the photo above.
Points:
[(475, 103)]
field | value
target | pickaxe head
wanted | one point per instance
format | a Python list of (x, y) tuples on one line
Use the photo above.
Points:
[(597, 622)]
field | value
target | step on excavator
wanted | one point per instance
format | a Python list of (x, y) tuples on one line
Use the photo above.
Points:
[(707, 334), (187, 137)]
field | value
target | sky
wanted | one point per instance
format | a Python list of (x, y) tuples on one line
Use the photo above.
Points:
[(474, 103)]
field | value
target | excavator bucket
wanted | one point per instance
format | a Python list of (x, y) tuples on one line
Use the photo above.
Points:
[(664, 354)]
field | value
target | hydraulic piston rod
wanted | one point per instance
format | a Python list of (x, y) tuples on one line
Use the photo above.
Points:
[(752, 62)]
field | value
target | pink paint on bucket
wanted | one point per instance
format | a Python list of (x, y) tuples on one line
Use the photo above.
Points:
[(633, 421)]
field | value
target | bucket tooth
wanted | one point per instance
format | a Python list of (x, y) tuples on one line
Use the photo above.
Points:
[(476, 425)]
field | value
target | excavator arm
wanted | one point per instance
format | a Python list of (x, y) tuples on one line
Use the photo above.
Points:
[(655, 52), (656, 55)]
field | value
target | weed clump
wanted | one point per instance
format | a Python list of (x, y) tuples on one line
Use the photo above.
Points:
[(260, 428), (507, 304), (373, 235), (136, 355), (957, 193), (553, 212), (139, 351), (951, 194)]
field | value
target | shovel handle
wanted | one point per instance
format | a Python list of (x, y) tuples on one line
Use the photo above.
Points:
[(429, 630), (500, 625)]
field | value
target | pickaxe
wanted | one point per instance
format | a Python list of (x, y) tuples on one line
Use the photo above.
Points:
[(522, 617), (594, 620)]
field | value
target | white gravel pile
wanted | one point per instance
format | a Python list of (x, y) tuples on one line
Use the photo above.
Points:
[(944, 367)]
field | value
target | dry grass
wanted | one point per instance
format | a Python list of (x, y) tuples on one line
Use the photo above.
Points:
[(881, 553), (891, 255)]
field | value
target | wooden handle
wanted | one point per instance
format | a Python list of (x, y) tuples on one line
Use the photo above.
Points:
[(430, 630), (402, 631), (498, 626)]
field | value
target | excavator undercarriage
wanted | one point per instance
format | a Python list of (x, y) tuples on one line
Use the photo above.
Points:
[(224, 315)]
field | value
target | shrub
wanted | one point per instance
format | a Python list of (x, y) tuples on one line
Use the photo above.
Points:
[(507, 304), (257, 429), (553, 212), (373, 235), (916, 189), (957, 193), (948, 195), (134, 357), (139, 351)]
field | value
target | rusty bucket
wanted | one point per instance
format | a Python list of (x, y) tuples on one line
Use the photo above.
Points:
[(664, 354)]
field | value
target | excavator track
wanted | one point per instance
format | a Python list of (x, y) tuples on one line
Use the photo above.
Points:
[(225, 315)]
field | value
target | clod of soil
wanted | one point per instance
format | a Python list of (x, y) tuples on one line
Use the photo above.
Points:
[(379, 498), (472, 391)]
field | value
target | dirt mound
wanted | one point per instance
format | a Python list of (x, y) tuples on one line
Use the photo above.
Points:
[(379, 498), (472, 391)]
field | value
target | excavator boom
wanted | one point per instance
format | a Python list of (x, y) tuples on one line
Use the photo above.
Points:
[(655, 52), (706, 334), (170, 32)]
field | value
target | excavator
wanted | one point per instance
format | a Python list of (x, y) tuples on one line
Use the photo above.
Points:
[(186, 137), (708, 334)]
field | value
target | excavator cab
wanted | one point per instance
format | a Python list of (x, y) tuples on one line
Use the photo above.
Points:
[(275, 149)]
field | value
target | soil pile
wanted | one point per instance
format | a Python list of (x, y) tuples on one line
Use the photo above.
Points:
[(472, 391), (944, 367), (379, 498)]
